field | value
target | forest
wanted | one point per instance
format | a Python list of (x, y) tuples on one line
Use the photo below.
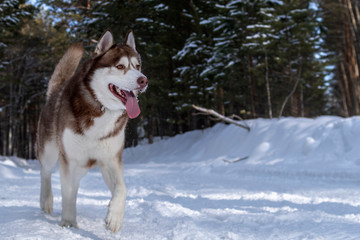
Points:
[(252, 59)]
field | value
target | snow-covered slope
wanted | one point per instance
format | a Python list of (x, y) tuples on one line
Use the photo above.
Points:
[(300, 180)]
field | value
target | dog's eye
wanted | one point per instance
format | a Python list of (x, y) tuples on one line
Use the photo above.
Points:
[(120, 66)]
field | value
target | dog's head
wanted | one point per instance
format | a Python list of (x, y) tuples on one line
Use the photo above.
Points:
[(117, 79)]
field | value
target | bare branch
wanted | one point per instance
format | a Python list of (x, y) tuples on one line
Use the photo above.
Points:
[(234, 116), (214, 118), (220, 117), (235, 160), (199, 114)]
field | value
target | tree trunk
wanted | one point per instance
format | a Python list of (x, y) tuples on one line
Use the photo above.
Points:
[(221, 101), (268, 85), (345, 92), (298, 78), (252, 88), (350, 64)]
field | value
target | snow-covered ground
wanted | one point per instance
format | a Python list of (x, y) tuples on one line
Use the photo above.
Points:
[(301, 180)]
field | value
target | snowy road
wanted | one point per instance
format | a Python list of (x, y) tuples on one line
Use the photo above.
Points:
[(181, 189), (258, 205)]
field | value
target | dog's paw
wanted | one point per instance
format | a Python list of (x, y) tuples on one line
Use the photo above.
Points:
[(47, 205), (114, 222), (68, 224)]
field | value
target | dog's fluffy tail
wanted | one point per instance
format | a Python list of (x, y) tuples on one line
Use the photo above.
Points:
[(66, 67)]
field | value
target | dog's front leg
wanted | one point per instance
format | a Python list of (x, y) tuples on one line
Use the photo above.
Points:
[(113, 176), (70, 176)]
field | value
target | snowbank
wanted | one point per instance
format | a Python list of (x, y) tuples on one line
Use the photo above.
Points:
[(300, 180), (324, 144)]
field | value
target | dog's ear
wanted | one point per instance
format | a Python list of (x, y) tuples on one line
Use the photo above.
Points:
[(130, 40), (106, 41)]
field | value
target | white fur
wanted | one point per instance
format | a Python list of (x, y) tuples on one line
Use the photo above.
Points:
[(130, 41), (115, 182), (103, 125), (48, 162), (126, 80), (83, 147), (105, 43), (79, 148), (70, 177), (93, 144), (51, 155), (124, 61), (134, 62)]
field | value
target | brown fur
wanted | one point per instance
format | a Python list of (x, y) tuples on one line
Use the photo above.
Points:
[(91, 163), (71, 59), (119, 125), (76, 129), (79, 108), (119, 155)]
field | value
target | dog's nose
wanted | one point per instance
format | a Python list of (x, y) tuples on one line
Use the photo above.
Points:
[(142, 81)]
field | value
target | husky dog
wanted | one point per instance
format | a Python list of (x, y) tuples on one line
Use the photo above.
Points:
[(83, 122)]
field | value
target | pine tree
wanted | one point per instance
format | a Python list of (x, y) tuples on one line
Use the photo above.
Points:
[(343, 44), (297, 43), (30, 55), (257, 58)]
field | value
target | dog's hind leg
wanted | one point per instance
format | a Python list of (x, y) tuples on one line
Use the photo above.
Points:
[(48, 159)]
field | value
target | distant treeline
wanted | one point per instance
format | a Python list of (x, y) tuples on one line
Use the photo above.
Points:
[(261, 58)]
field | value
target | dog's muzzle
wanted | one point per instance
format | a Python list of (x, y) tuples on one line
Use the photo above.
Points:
[(143, 83)]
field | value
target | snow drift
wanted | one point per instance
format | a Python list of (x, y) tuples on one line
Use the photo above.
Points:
[(301, 142), (300, 180)]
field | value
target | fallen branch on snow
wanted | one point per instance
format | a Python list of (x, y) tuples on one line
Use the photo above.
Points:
[(221, 117), (235, 160)]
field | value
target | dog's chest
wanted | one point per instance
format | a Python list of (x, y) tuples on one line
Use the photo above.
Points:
[(103, 140), (104, 125)]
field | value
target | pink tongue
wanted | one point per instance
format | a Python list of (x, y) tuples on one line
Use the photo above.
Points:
[(132, 106)]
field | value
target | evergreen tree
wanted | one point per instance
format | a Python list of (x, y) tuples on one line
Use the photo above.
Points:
[(342, 43), (32, 47), (299, 71), (253, 44), (259, 58)]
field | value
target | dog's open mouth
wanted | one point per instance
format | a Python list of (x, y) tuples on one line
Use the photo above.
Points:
[(128, 98)]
